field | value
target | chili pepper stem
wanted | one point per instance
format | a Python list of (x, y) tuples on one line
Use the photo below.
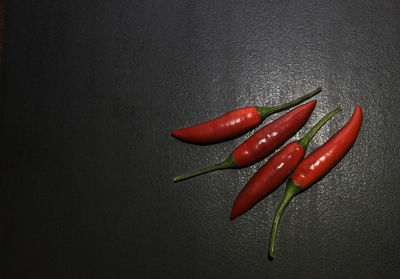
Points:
[(265, 111), (291, 190), (304, 141), (227, 164)]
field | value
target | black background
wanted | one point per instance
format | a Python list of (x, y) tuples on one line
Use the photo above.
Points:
[(92, 89)]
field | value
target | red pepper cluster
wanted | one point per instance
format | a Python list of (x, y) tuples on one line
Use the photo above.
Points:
[(288, 162)]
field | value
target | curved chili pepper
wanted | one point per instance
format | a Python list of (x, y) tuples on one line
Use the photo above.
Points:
[(233, 123), (262, 142), (317, 165), (276, 170)]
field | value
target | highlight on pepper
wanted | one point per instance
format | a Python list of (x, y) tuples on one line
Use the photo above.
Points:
[(316, 165), (263, 142), (234, 123)]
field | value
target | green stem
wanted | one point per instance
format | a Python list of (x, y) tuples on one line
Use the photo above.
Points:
[(227, 164), (304, 141), (265, 111), (291, 190)]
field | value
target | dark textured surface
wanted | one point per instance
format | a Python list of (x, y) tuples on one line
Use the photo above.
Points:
[(92, 90)]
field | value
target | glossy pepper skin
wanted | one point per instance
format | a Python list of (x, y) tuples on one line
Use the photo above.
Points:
[(226, 126), (317, 165), (233, 123), (262, 142), (276, 170), (324, 158), (268, 177), (273, 135)]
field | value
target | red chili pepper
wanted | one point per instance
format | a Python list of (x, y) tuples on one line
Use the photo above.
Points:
[(317, 164), (233, 123), (276, 170), (263, 142)]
